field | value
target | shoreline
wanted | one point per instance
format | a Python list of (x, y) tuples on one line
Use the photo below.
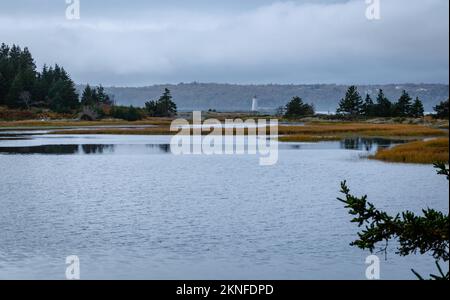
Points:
[(419, 150)]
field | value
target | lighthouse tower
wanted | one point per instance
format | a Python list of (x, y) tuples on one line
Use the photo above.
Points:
[(255, 104)]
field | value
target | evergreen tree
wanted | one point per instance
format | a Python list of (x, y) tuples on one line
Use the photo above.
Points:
[(23, 83), (62, 94), (163, 107), (88, 97), (19, 70), (102, 97), (352, 104), (3, 89), (132, 114), (21, 86), (403, 106), (71, 97), (168, 107), (26, 60), (41, 88), (55, 97), (368, 107), (296, 108), (93, 97), (384, 107), (14, 58), (126, 113), (417, 110), (28, 77), (442, 110), (5, 73), (426, 234), (150, 108)]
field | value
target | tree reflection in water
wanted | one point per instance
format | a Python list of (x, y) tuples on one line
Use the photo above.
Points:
[(96, 149), (368, 144)]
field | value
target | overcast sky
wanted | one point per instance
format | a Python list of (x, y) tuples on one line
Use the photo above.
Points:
[(142, 42)]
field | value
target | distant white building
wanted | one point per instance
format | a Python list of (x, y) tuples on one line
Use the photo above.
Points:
[(255, 104)]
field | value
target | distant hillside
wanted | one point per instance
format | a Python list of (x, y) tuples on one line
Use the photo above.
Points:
[(232, 97)]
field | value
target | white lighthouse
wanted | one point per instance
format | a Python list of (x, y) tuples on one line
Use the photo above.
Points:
[(255, 104)]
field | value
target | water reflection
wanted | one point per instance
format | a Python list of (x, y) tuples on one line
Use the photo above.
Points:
[(44, 149), (368, 144), (96, 149), (361, 144), (165, 148), (13, 136), (86, 149), (357, 143)]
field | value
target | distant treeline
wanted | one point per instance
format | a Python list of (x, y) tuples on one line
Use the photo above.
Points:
[(238, 97), (97, 104), (22, 86), (353, 106)]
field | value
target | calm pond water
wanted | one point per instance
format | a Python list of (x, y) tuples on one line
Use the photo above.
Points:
[(129, 209)]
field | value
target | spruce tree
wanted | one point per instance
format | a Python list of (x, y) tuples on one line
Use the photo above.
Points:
[(167, 107), (26, 60), (384, 107), (417, 110), (87, 98), (19, 66), (102, 96), (352, 104), (71, 97), (5, 73), (442, 110), (62, 93), (3, 89), (163, 107), (41, 88), (21, 86), (368, 107), (403, 106), (17, 87), (94, 97), (14, 58), (296, 108), (413, 234)]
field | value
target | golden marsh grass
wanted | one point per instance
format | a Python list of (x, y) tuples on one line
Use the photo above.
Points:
[(72, 123), (421, 152), (361, 129), (308, 138)]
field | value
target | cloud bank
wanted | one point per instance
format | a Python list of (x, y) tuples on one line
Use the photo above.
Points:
[(262, 42)]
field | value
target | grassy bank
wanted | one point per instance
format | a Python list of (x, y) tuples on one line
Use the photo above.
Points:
[(29, 124), (310, 132), (307, 133), (160, 130), (308, 138), (421, 152), (360, 129)]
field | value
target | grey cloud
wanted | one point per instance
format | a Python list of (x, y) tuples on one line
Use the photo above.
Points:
[(262, 42)]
